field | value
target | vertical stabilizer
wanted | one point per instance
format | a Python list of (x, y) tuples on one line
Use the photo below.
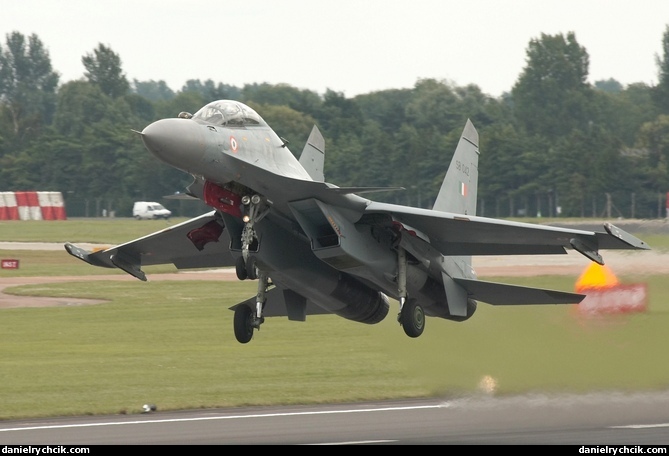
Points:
[(458, 191), (313, 155)]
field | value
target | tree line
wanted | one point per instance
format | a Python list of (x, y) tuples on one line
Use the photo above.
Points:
[(553, 145)]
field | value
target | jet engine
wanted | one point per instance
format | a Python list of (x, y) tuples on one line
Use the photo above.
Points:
[(362, 303)]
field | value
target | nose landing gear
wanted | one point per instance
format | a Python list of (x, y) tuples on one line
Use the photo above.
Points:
[(246, 319), (255, 210)]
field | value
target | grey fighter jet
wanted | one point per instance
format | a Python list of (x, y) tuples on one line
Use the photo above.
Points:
[(316, 248)]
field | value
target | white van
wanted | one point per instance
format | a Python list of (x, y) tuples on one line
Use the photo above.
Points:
[(149, 210)]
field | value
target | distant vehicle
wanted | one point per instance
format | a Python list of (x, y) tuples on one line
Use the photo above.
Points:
[(146, 210)]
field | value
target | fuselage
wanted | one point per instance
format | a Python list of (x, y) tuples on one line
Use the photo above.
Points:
[(220, 150)]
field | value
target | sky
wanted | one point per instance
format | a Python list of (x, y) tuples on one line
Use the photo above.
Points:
[(348, 46)]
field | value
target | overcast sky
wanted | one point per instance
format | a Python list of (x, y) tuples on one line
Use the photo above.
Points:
[(349, 46)]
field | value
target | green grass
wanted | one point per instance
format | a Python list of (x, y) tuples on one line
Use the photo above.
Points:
[(34, 263), (89, 230), (172, 344)]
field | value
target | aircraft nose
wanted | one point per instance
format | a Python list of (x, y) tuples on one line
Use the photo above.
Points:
[(177, 142)]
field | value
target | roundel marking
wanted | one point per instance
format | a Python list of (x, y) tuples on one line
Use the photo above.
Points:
[(233, 144)]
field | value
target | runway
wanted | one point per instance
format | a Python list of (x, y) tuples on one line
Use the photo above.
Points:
[(593, 419)]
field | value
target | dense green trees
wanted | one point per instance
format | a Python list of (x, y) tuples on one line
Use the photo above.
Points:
[(27, 86), (552, 96), (103, 69), (553, 145), (662, 89)]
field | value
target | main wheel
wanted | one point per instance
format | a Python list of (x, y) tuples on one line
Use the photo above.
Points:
[(240, 268), (412, 318), (242, 323)]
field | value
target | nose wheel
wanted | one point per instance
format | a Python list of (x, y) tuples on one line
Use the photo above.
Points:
[(246, 269)]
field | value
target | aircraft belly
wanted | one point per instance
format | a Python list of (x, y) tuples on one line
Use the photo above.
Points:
[(346, 246), (289, 262)]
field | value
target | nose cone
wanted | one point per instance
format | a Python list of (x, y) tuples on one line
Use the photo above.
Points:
[(177, 142)]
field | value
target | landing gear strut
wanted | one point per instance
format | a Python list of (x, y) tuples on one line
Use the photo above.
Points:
[(255, 211), (411, 316)]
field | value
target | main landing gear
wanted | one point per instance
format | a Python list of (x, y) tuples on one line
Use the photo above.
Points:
[(411, 316), (246, 319)]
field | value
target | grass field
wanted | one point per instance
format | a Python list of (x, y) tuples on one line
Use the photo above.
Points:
[(172, 344)]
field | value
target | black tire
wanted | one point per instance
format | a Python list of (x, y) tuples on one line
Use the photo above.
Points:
[(251, 269), (412, 319), (240, 268), (242, 323)]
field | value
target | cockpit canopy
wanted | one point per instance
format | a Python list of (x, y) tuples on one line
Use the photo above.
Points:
[(230, 114)]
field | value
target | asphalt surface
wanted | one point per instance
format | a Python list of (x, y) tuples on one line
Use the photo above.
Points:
[(596, 420)]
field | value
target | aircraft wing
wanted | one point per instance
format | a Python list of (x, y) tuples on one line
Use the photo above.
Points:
[(454, 234), (201, 242)]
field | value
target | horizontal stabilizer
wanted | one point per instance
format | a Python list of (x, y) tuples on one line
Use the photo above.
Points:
[(502, 294)]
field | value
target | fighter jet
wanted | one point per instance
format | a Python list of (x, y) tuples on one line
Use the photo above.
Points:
[(317, 248)]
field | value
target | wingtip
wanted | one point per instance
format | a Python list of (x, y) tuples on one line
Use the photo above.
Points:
[(627, 238), (77, 252)]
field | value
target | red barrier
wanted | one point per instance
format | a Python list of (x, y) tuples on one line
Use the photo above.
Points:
[(22, 205), (12, 206), (44, 199), (32, 206), (4, 213), (58, 205)]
